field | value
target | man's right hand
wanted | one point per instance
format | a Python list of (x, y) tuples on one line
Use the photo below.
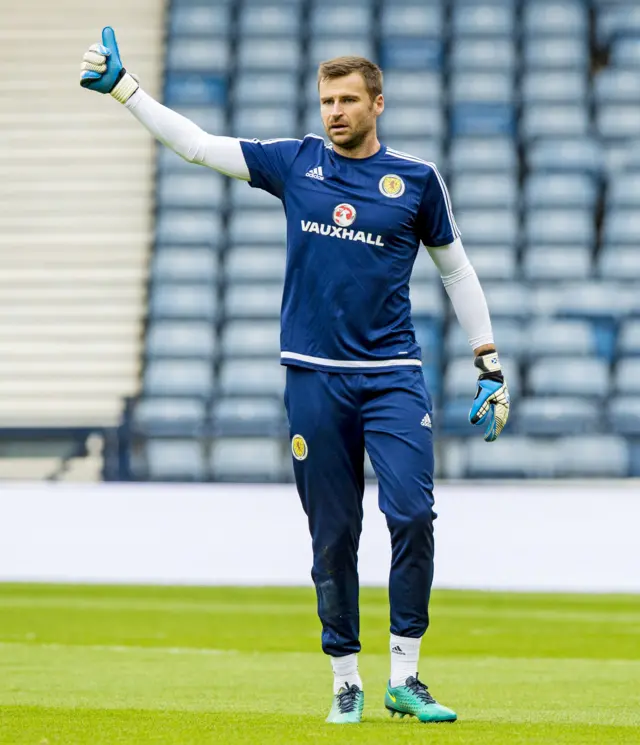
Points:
[(102, 69)]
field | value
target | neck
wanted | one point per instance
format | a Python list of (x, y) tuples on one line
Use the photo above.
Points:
[(368, 147)]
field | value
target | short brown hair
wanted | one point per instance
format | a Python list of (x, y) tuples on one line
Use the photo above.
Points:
[(339, 67)]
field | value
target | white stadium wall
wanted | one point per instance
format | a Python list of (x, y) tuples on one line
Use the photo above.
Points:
[(515, 536)]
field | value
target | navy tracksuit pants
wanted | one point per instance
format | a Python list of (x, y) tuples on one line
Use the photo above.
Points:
[(332, 418)]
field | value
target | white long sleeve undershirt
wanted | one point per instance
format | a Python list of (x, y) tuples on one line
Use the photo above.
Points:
[(465, 292), (184, 137), (224, 154)]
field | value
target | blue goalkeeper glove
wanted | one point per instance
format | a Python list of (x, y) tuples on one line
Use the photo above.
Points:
[(102, 69), (491, 404)]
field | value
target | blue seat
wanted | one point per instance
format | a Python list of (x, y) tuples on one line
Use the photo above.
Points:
[(247, 459), (569, 53), (258, 226), (409, 88), (485, 154), (508, 299), (426, 300), (566, 415), (480, 119), (507, 332), (163, 377), (556, 18), (483, 19), (242, 195), (617, 121), (629, 338), (425, 271), (627, 376), (489, 226), (615, 86), (334, 18), (615, 262), (255, 416), (482, 87), (556, 262), (270, 19), (182, 226), (548, 87), (624, 415), (623, 190), (252, 300), (195, 88), (268, 54), (592, 457), (616, 19), (621, 226), (197, 188), (493, 262), (184, 301), (258, 338), (264, 122), (197, 54), (322, 49), (585, 299), (181, 339), (208, 117), (411, 18), (409, 53), (555, 226), (579, 376), (560, 338), (312, 122), (255, 264), (575, 155), (491, 190), (426, 148), (175, 460), (483, 55), (547, 120), (169, 162), (510, 457), (625, 52), (253, 89), (168, 416), (560, 190), (198, 264), (415, 121), (202, 19), (247, 377)]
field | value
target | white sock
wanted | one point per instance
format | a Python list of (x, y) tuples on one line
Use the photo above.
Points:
[(345, 672), (405, 653)]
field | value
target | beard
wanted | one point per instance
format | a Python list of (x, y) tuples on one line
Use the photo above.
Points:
[(351, 141)]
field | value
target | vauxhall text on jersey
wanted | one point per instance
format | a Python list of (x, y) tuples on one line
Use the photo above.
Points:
[(354, 227)]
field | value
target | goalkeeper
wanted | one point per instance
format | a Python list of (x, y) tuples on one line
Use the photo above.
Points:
[(357, 212)]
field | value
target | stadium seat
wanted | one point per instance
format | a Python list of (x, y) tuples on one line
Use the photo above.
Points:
[(491, 190), (624, 415), (482, 87), (477, 19), (334, 46), (625, 52), (576, 155), (548, 120), (493, 262), (489, 226), (197, 188), (590, 299), (556, 262), (628, 343), (195, 88), (197, 55), (410, 53), (426, 300), (175, 460), (556, 18), (627, 376), (508, 299), (615, 262), (548, 87), (552, 337), (258, 227), (429, 337), (248, 377), (411, 18), (478, 119), (616, 19), (556, 226), (621, 226), (618, 121), (260, 18), (415, 121), (258, 264), (251, 339), (210, 118), (181, 339), (579, 376), (168, 416), (623, 190), (248, 417), (555, 416), (405, 88), (268, 54), (483, 55), (247, 459), (616, 86), (252, 89), (560, 190), (252, 300), (198, 264), (592, 457), (484, 154), (510, 457), (168, 162), (332, 18), (211, 20), (178, 377), (183, 301), (188, 227), (264, 122), (569, 53)]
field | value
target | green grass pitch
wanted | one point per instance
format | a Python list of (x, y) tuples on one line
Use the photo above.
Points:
[(135, 665)]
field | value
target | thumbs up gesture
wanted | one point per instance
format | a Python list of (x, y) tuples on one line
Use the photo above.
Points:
[(102, 69)]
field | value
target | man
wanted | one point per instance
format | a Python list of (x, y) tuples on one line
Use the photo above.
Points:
[(356, 214)]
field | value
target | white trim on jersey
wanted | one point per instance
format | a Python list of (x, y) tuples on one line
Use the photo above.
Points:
[(445, 192), (269, 142), (348, 363)]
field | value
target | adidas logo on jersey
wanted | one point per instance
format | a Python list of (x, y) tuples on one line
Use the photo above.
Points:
[(426, 421), (315, 173)]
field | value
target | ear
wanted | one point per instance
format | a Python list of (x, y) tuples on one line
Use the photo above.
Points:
[(378, 104)]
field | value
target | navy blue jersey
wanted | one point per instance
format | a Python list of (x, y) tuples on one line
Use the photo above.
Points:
[(354, 227)]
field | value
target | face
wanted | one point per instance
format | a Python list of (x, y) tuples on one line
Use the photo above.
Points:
[(348, 113)]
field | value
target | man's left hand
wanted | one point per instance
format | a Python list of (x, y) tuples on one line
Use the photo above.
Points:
[(491, 403)]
